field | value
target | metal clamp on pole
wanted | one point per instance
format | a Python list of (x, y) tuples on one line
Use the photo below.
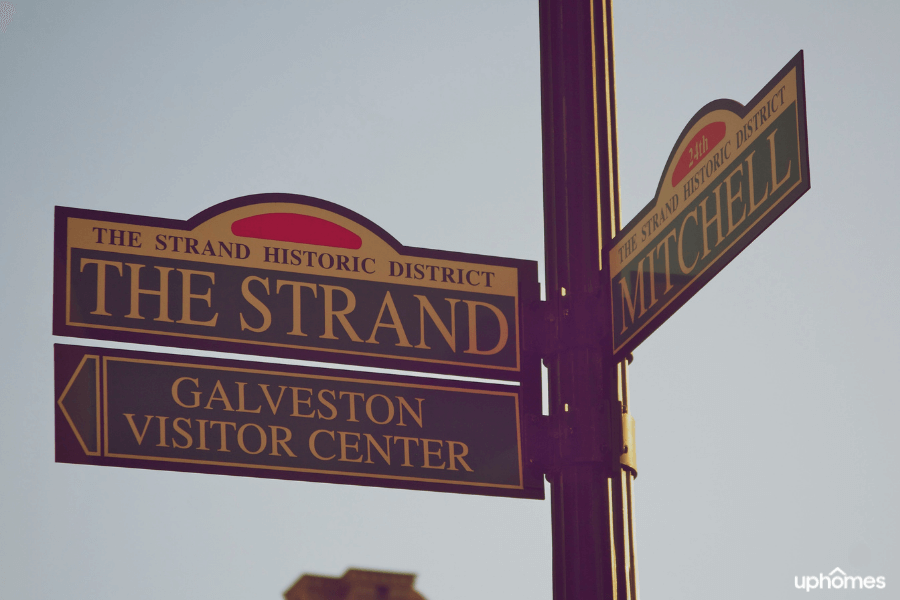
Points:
[(628, 459)]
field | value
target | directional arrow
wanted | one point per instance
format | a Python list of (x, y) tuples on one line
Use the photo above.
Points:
[(203, 415), (79, 402)]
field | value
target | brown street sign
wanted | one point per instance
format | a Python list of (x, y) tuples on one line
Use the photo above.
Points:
[(290, 276), (734, 170), (204, 415)]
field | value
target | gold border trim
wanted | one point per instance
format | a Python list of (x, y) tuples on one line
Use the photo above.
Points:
[(65, 413), (726, 249), (514, 395), (309, 348)]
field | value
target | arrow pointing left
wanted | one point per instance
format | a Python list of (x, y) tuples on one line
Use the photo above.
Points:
[(78, 402)]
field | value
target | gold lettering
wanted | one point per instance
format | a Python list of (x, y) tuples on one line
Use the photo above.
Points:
[(241, 407), (665, 245), (627, 302), (449, 335), (295, 287), (273, 406), (734, 198), (202, 444), (101, 281), (328, 404), (395, 323), (404, 404), (177, 400), (188, 440), (223, 398), (345, 446), (458, 457), (775, 183), (473, 331), (298, 401), (428, 453), (385, 454), (684, 268), (223, 425), (353, 397), (406, 441), (187, 296), (162, 432), (256, 303), (707, 222), (262, 438), (390, 406), (341, 315), (754, 204), (312, 443), (138, 436), (280, 442), (137, 290)]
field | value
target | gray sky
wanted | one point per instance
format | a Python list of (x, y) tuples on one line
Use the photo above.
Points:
[(764, 406)]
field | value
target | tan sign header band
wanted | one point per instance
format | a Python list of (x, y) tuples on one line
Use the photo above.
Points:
[(292, 276), (734, 170)]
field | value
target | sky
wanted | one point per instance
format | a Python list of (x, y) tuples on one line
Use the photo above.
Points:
[(765, 407)]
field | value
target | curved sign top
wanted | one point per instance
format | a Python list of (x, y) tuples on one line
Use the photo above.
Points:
[(290, 276), (734, 170)]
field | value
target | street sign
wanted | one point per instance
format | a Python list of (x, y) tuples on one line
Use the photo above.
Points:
[(204, 415), (734, 170), (290, 276)]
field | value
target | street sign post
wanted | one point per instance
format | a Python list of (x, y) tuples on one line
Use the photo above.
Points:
[(297, 277), (291, 276), (589, 468), (181, 413), (734, 170)]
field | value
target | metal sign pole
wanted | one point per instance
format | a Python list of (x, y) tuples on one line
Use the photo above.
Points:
[(593, 551)]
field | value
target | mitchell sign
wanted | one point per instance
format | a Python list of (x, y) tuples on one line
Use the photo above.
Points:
[(733, 171), (292, 276)]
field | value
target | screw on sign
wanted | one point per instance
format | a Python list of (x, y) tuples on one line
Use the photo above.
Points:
[(7, 11)]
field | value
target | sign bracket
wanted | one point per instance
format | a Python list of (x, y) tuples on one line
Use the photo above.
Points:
[(628, 460), (557, 325)]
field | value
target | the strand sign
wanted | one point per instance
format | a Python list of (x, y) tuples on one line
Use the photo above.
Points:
[(291, 276)]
